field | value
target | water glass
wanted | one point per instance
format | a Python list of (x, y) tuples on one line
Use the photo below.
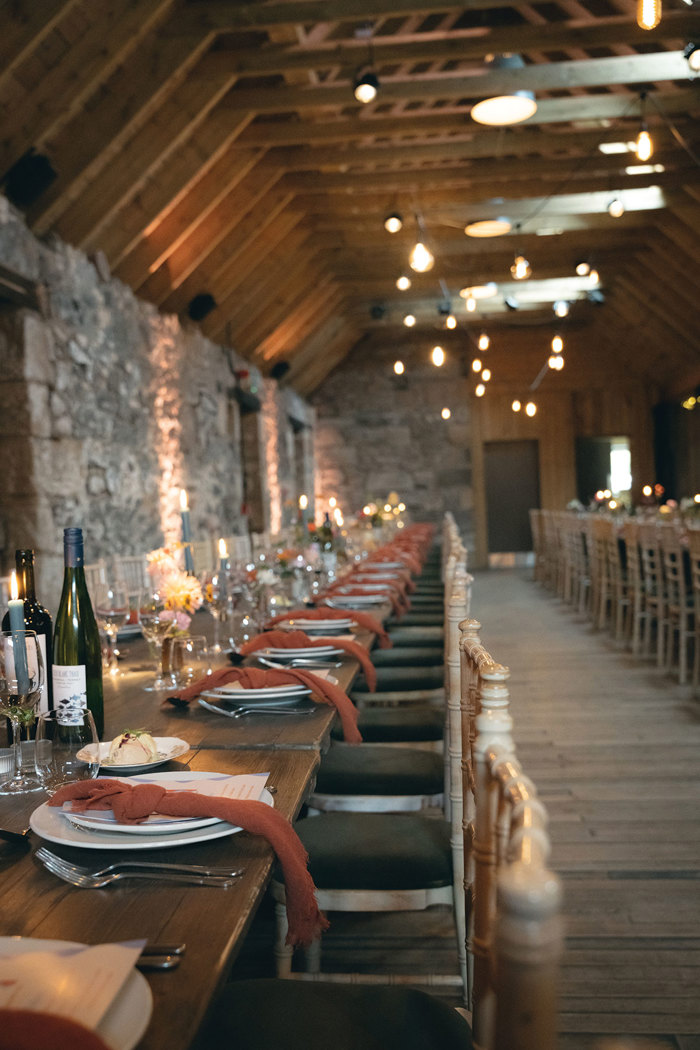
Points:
[(189, 659), (67, 748), (21, 679)]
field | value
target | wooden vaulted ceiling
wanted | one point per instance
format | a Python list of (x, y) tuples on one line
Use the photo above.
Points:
[(214, 146)]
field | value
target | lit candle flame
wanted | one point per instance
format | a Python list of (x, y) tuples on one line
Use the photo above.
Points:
[(332, 502), (183, 499), (303, 502), (223, 553), (14, 589)]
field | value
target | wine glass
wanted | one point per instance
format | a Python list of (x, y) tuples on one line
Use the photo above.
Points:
[(111, 603), (157, 623), (217, 598), (67, 747), (21, 679)]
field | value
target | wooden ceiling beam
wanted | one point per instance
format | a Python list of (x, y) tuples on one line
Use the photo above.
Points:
[(260, 324), (305, 310), (119, 110), (651, 306), (122, 225), (241, 249), (63, 90), (194, 249), (216, 183), (458, 46), (25, 27), (412, 123), (550, 76), (319, 356)]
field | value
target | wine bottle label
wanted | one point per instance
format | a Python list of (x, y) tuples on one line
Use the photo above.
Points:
[(69, 691)]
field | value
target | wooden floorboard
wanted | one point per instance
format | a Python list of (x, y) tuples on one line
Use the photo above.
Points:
[(614, 747)]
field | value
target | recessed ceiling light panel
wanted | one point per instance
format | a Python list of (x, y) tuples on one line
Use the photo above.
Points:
[(488, 228)]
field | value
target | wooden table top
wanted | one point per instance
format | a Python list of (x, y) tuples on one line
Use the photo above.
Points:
[(127, 704), (211, 921)]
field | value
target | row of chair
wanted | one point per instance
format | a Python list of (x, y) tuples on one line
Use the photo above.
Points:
[(483, 850), (639, 579)]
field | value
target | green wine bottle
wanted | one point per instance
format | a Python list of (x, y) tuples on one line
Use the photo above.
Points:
[(77, 651)]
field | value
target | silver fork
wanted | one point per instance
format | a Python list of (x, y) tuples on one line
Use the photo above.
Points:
[(87, 880), (299, 661), (242, 712), (47, 857)]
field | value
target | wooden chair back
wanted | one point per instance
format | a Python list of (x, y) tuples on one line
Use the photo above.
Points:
[(4, 591), (673, 568), (95, 573), (132, 570), (203, 555)]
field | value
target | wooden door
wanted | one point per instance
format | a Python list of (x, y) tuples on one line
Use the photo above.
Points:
[(512, 478)]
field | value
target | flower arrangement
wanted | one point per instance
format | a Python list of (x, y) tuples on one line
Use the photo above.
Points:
[(182, 592)]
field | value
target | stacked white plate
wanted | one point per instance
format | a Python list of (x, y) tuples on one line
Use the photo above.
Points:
[(364, 586), (380, 566), (355, 601), (339, 626), (309, 652), (278, 695)]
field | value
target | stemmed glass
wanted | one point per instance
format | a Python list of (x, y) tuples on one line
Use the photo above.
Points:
[(21, 679), (217, 598), (112, 612), (157, 623)]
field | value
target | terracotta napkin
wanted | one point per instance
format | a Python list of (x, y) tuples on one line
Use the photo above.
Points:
[(29, 1029), (132, 803), (301, 640), (257, 678), (325, 612)]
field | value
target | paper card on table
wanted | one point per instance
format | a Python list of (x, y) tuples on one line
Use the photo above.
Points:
[(243, 785), (323, 672), (75, 982)]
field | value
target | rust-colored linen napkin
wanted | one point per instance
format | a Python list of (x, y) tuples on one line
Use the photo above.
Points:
[(133, 803), (257, 678), (301, 640), (325, 612), (30, 1030)]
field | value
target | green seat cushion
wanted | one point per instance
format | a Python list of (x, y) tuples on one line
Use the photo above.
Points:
[(268, 1014), (397, 724), (390, 679), (376, 851), (401, 635), (418, 619), (409, 656), (368, 770)]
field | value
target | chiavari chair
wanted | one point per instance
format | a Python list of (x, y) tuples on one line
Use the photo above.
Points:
[(654, 590), (680, 608), (694, 555), (636, 593)]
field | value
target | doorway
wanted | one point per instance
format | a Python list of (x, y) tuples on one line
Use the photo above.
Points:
[(512, 481)]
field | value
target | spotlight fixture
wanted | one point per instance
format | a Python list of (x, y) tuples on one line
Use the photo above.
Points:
[(486, 374), (488, 227), (516, 406), (557, 344), (437, 356), (484, 341), (648, 13), (403, 283), (501, 110), (511, 302), (399, 368), (409, 320), (561, 308), (393, 223), (445, 413), (476, 365), (583, 268), (691, 53), (616, 208), (480, 390), (365, 85), (470, 303), (530, 408), (521, 269)]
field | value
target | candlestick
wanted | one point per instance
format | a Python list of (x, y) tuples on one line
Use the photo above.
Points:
[(19, 646), (303, 504), (223, 565), (186, 532)]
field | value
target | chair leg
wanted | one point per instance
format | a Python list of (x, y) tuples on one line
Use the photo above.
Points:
[(283, 951), (313, 956)]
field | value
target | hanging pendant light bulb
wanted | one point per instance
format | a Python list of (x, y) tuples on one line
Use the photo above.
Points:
[(616, 208), (644, 147), (648, 13), (409, 320), (484, 341), (557, 344), (561, 308), (399, 368), (365, 86), (470, 303), (421, 258), (486, 374), (393, 223), (521, 269), (438, 356), (403, 283), (480, 390), (476, 365), (516, 406), (450, 321)]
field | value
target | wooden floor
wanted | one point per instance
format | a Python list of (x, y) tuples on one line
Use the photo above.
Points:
[(614, 747)]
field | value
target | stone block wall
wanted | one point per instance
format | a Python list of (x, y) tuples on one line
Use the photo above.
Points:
[(108, 408), (377, 433)]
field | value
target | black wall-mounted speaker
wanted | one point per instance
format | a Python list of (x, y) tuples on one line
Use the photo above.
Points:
[(279, 370), (200, 306), (28, 178)]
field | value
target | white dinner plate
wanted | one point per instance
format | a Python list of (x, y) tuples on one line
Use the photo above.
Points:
[(128, 1016), (318, 626), (104, 820), (380, 566), (351, 601), (310, 651), (50, 823), (270, 692), (377, 575), (364, 587), (230, 702), (169, 747)]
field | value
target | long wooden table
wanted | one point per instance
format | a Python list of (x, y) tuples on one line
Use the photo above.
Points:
[(211, 921)]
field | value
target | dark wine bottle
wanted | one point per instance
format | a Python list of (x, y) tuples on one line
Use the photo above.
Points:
[(77, 651), (36, 618)]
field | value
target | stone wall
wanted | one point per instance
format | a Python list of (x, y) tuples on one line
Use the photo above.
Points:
[(377, 432), (108, 408)]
